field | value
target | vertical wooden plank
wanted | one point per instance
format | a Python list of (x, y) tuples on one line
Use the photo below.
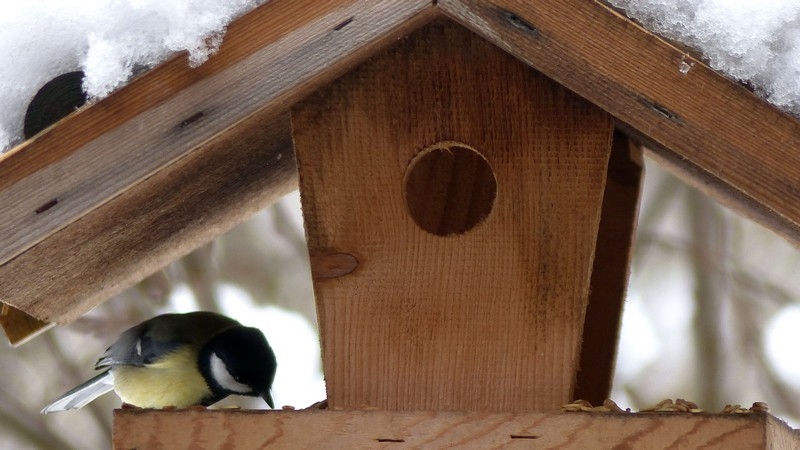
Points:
[(611, 270), (489, 319)]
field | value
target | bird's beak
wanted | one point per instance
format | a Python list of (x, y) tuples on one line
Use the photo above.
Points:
[(268, 398)]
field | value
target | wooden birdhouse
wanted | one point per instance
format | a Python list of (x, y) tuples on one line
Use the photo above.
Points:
[(469, 174)]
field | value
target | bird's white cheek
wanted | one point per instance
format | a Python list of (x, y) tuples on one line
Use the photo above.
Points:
[(225, 379)]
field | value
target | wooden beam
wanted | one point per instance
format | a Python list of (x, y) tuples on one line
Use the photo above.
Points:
[(611, 270), (417, 308), (734, 139), (270, 58), (223, 429)]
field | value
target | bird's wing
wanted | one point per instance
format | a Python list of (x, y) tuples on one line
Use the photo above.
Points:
[(137, 347), (147, 342), (83, 394)]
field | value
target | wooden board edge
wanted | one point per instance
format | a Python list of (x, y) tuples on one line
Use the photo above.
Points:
[(217, 429), (780, 435), (721, 192), (20, 327)]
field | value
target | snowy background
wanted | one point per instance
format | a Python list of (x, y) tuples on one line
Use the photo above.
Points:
[(709, 317)]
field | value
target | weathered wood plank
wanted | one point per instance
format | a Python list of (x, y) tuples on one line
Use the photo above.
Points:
[(157, 221), (20, 327), (737, 141), (272, 56), (610, 271), (223, 429), (413, 313)]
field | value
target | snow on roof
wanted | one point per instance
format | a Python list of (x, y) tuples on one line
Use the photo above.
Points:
[(756, 42), (107, 39)]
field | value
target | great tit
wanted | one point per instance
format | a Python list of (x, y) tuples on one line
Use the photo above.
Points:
[(180, 360)]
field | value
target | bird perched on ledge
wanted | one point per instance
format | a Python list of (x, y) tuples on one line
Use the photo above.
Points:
[(180, 360)]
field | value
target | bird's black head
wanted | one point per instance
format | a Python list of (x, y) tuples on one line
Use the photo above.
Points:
[(239, 361)]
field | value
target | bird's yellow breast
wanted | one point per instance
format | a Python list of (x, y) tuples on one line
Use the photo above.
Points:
[(174, 380)]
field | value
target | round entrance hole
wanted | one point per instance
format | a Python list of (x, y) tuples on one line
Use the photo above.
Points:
[(57, 99), (449, 188)]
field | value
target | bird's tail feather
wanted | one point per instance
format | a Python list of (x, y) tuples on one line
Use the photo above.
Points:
[(82, 394)]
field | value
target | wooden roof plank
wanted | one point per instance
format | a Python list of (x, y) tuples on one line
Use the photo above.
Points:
[(273, 56), (658, 90), (155, 222)]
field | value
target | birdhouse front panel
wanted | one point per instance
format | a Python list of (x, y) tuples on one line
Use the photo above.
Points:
[(451, 198)]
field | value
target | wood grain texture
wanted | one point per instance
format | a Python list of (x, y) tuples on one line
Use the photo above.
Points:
[(748, 149), (611, 270), (272, 56), (20, 327), (486, 320), (157, 221), (221, 429)]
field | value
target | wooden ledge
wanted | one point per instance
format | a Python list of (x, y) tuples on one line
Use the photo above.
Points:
[(218, 429)]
